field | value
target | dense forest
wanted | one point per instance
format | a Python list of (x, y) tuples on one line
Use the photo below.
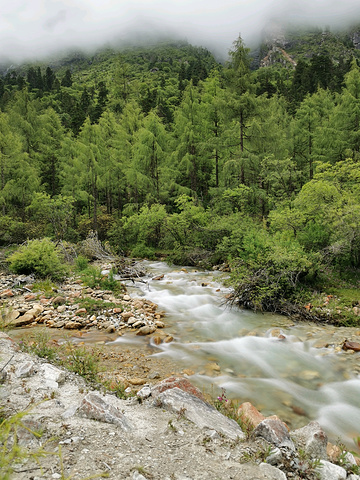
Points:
[(164, 151)]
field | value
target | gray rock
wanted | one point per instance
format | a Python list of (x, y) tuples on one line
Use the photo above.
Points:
[(312, 439), (329, 471), (271, 472), (145, 392), (350, 459), (198, 412), (138, 476), (53, 374), (96, 408), (275, 432), (24, 370), (275, 457), (353, 477)]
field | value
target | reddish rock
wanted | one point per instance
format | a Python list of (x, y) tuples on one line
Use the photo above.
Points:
[(45, 301), (6, 293), (159, 277), (177, 382), (96, 408), (59, 300), (250, 415), (117, 310), (80, 311), (351, 346), (30, 297)]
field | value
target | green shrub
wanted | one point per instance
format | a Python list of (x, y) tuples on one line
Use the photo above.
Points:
[(40, 257), (83, 362), (81, 263)]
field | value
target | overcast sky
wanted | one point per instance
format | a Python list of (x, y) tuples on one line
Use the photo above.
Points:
[(33, 28)]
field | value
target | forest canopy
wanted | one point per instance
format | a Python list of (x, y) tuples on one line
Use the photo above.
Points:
[(163, 149)]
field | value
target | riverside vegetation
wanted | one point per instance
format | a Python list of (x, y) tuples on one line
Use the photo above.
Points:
[(163, 150)]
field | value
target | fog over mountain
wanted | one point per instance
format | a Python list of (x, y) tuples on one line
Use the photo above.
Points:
[(34, 29)]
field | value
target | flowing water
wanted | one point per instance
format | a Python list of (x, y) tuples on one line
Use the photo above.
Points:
[(295, 377)]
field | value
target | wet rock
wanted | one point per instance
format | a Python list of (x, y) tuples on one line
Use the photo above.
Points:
[(169, 339), (351, 346), (275, 432), (198, 412), (96, 408), (146, 330), (329, 471), (312, 439), (159, 277)]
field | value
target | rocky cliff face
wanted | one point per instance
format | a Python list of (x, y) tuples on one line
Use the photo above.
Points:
[(284, 44)]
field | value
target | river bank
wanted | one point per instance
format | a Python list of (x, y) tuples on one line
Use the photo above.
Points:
[(78, 432), (300, 368)]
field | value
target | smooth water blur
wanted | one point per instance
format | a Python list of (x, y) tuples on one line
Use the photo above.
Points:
[(241, 351)]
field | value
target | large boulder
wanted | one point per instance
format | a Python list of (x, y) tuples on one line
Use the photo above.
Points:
[(199, 412)]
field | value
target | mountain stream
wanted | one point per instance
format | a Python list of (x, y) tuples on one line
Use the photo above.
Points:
[(295, 370)]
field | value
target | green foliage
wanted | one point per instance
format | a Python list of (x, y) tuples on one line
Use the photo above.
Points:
[(40, 344), (269, 271), (45, 286), (83, 362), (11, 453), (159, 147), (117, 388), (93, 278), (81, 263), (40, 257)]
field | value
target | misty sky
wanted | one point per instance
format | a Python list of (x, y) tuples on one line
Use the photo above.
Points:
[(33, 28)]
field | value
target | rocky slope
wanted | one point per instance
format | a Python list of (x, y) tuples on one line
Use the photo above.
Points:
[(166, 431)]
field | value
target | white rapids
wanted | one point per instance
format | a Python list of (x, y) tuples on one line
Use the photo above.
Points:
[(241, 351)]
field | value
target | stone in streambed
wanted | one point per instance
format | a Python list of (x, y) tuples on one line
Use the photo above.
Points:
[(354, 346), (146, 330)]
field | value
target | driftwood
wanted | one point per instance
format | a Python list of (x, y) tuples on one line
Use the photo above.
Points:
[(93, 249)]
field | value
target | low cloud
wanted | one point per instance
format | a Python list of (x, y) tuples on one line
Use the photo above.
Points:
[(40, 27)]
